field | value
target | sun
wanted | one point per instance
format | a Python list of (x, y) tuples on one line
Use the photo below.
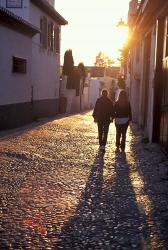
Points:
[(88, 34)]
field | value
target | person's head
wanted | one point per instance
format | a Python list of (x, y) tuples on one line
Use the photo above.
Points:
[(104, 92), (121, 82), (123, 96)]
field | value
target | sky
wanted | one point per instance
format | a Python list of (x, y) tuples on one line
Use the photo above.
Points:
[(92, 28)]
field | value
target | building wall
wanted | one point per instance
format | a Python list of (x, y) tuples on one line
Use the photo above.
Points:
[(146, 100), (141, 88), (23, 11), (154, 103), (35, 93), (45, 68), (94, 91), (151, 85), (15, 87), (74, 103), (45, 64), (15, 94), (141, 102), (135, 81)]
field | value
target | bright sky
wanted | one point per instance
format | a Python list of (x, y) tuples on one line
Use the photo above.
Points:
[(92, 28)]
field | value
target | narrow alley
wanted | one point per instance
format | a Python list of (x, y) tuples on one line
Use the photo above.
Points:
[(57, 191)]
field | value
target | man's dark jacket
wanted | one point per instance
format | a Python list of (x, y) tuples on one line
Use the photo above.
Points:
[(103, 110)]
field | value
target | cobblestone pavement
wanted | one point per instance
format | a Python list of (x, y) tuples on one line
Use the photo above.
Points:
[(58, 191)]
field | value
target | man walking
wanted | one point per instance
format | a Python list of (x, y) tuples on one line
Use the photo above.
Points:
[(102, 114)]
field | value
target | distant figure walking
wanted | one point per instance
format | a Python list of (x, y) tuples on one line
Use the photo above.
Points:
[(122, 115), (102, 113)]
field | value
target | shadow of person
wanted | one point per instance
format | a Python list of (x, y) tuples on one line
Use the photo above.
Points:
[(107, 216), (77, 231), (123, 221)]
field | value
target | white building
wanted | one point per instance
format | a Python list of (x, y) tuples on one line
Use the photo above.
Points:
[(94, 91), (30, 38)]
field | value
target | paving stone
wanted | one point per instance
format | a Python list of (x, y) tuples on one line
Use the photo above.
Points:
[(57, 191)]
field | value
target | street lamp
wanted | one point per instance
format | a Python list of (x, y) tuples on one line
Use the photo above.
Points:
[(121, 23)]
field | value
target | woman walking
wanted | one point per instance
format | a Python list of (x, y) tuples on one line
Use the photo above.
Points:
[(122, 115)]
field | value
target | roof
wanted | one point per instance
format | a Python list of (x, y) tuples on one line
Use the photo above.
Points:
[(47, 8), (17, 23), (95, 71), (112, 71)]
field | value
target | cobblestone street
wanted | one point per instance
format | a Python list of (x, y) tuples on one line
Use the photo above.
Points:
[(58, 191)]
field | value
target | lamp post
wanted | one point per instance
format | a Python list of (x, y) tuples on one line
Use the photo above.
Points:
[(123, 26), (121, 23)]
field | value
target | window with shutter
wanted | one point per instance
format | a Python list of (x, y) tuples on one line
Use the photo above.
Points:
[(57, 39), (43, 34), (19, 65)]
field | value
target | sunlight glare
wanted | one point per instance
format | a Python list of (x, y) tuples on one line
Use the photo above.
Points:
[(92, 28), (144, 203)]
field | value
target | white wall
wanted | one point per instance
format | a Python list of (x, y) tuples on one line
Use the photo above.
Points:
[(45, 77), (85, 99), (73, 101), (45, 64), (94, 91), (135, 81), (151, 87), (15, 87)]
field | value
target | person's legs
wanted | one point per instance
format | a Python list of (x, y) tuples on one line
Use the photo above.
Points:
[(105, 133), (124, 131), (100, 133), (118, 135)]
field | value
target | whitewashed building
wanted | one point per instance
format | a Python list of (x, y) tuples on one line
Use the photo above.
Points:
[(30, 60)]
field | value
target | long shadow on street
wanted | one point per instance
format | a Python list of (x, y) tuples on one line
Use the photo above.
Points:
[(107, 216)]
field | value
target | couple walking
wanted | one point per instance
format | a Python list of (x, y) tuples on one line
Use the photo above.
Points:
[(105, 111)]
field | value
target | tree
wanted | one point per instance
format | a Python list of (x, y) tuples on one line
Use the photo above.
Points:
[(68, 66), (103, 60), (82, 72), (76, 80), (123, 55)]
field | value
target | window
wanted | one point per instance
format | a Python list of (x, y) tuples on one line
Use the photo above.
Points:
[(50, 35), (57, 39), (19, 65), (14, 3), (43, 34)]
